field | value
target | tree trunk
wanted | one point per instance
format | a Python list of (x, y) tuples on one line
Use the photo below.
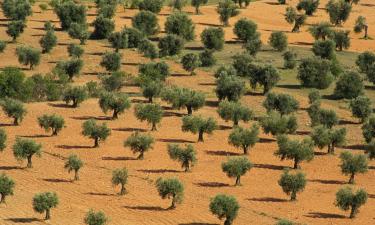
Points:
[(173, 205), (115, 115), (75, 103), (353, 211), (153, 127), (332, 149), (197, 10), (15, 121), (228, 221), (245, 148), (141, 156), (76, 176), (189, 109), (122, 192), (200, 138), (351, 180), (31, 66), (187, 167), (238, 181), (293, 197), (235, 123), (366, 32), (150, 100), (96, 144), (54, 132), (29, 163), (48, 214), (2, 198), (296, 161)]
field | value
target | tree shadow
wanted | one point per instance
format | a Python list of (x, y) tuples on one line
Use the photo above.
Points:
[(324, 215), (330, 97), (212, 103), (354, 147), (91, 117), (267, 199), (91, 73), (174, 140), (269, 166), (60, 105), (63, 44), (371, 196), (6, 125), (146, 208), (303, 132), (121, 158), (99, 194), (233, 42), (222, 153), (367, 4), (207, 84), (11, 168), (290, 86), (171, 114), (198, 223), (35, 136), (130, 64), (347, 122), (212, 184), (327, 181), (225, 127), (320, 153), (272, 3), (266, 140), (195, 48), (210, 24), (160, 171), (22, 220), (95, 53), (180, 75), (303, 43), (57, 180), (252, 93), (130, 129), (74, 146)]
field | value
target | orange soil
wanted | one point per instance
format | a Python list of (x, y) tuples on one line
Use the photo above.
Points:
[(260, 197)]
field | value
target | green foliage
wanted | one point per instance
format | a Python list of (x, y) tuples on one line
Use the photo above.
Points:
[(241, 62), (146, 22), (71, 68), (207, 58), (116, 102), (103, 28), (314, 97), (151, 89), (148, 49), (225, 70), (107, 10), (295, 150), (154, 6), (70, 12), (73, 163), (26, 149), (95, 218), (229, 87), (76, 95), (14, 109), (292, 17), (338, 11), (361, 107), (51, 122), (321, 30), (315, 73), (154, 71), (186, 156), (361, 25), (170, 45), (283, 103), (234, 111), (44, 88), (118, 40), (197, 3), (115, 81), (6, 187), (342, 39), (79, 31), (244, 138), (213, 38), (324, 49), (350, 85), (180, 24), (236, 167), (48, 41), (365, 61), (283, 221), (151, 112), (253, 46), (3, 139), (95, 131), (226, 9), (190, 62), (353, 164), (292, 183), (43, 202), (28, 56), (278, 40), (13, 84), (75, 51), (49, 26), (346, 199), (184, 97), (120, 177), (111, 61), (325, 117), (225, 206), (16, 9), (134, 37), (177, 4), (15, 29), (323, 136), (276, 124), (139, 143), (170, 188), (3, 45), (290, 59), (309, 6), (370, 150), (245, 29), (198, 124), (266, 76)]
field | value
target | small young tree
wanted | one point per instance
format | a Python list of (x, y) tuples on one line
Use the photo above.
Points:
[(361, 25), (154, 71), (103, 28), (44, 202), (134, 36), (170, 45), (70, 12), (184, 97), (342, 39), (48, 41), (283, 103), (151, 89), (326, 117), (6, 187), (75, 51), (71, 68), (213, 38), (177, 4), (118, 40), (139, 143), (73, 163), (28, 56), (278, 40), (146, 22), (292, 17), (309, 6), (190, 62), (151, 112), (180, 24), (186, 156), (225, 206), (236, 167), (324, 49), (170, 188), (323, 136), (226, 10), (315, 73), (95, 218), (350, 85), (111, 61), (3, 139), (116, 102), (15, 29), (295, 150), (290, 59), (51, 122), (120, 177), (229, 87), (198, 124), (79, 31), (76, 95), (353, 164), (241, 63), (368, 129), (346, 199), (276, 124), (321, 30), (245, 29), (338, 11), (3, 45), (244, 138), (266, 76), (292, 183), (361, 107), (253, 46), (154, 6), (197, 3), (115, 81), (148, 49), (95, 131), (207, 58), (365, 61), (370, 150), (16, 10), (234, 111), (283, 221), (26, 149), (14, 109)]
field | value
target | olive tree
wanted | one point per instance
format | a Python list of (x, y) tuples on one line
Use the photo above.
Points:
[(15, 29), (244, 138), (98, 132), (207, 58), (213, 38), (266, 76), (103, 27), (341, 39), (292, 183), (3, 139), (349, 85), (118, 40), (198, 124), (14, 109), (361, 25), (295, 150), (3, 45), (229, 87), (16, 10), (184, 97), (28, 56), (95, 218), (151, 89), (115, 81), (323, 136), (190, 62), (278, 40), (48, 41), (346, 199), (70, 12), (324, 49), (370, 150), (26, 149), (75, 51), (139, 143), (321, 30), (71, 67), (6, 187), (224, 207), (361, 107), (292, 17), (154, 71), (79, 31), (170, 45), (146, 22), (116, 102), (365, 61), (197, 3), (236, 167), (151, 112), (234, 111), (276, 124), (227, 9), (111, 61), (283, 221), (120, 177), (309, 6), (326, 117), (148, 49), (170, 188), (245, 29), (180, 24), (290, 59), (315, 73), (185, 155), (353, 164), (154, 6), (338, 11), (51, 122), (44, 202), (283, 103), (134, 36), (76, 95), (73, 163)]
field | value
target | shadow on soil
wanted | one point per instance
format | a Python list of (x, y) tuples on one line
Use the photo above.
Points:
[(146, 208), (269, 166), (22, 220), (267, 199), (123, 158), (160, 171), (57, 180), (222, 153), (212, 184), (327, 181), (325, 215)]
